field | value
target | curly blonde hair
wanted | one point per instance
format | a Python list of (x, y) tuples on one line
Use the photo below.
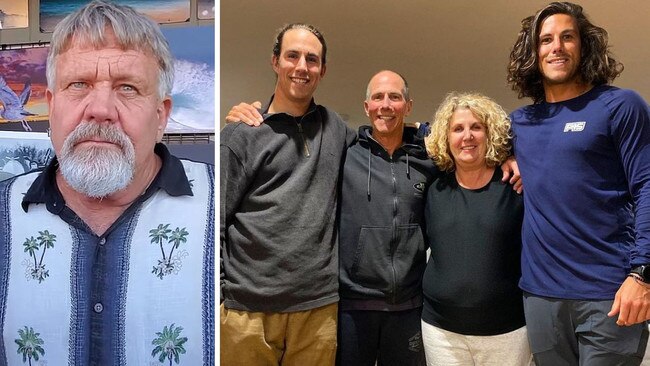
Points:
[(491, 115)]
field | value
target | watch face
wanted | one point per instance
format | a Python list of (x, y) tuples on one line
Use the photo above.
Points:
[(645, 273), (639, 271)]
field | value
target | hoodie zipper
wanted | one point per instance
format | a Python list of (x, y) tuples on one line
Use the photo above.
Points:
[(393, 295), (395, 235), (305, 147), (393, 242)]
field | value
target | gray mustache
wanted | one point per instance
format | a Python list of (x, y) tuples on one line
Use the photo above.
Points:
[(102, 131)]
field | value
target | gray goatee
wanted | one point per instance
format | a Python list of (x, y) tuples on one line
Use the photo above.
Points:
[(97, 171)]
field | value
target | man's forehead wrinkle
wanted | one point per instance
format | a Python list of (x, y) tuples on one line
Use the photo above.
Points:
[(91, 53), (113, 63)]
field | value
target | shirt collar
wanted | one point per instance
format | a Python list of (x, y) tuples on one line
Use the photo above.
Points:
[(170, 178), (264, 111)]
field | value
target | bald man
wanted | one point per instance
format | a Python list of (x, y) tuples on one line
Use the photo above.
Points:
[(381, 244)]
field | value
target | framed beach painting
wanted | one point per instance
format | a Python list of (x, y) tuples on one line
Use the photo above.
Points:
[(22, 89), (162, 11), (13, 14)]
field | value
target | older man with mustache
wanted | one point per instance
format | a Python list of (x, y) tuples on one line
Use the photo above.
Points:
[(106, 256)]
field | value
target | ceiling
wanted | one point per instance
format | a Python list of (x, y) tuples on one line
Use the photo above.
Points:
[(438, 45)]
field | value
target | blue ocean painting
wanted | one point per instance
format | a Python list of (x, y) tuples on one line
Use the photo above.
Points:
[(193, 97), (162, 11)]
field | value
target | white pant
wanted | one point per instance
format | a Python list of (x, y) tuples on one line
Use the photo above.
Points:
[(442, 347)]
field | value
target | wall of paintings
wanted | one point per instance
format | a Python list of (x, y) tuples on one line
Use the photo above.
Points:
[(31, 21), (25, 31)]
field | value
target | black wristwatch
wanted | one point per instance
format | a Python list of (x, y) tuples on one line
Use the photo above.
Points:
[(643, 271)]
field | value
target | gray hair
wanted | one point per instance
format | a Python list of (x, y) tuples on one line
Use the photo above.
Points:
[(133, 31)]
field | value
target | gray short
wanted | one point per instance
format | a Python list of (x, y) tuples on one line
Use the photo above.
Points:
[(575, 332)]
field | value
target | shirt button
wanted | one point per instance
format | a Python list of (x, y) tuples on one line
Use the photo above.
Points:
[(102, 241), (98, 307)]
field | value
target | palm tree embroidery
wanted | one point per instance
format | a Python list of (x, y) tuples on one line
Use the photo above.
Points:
[(169, 263), (169, 345), (32, 245), (29, 344)]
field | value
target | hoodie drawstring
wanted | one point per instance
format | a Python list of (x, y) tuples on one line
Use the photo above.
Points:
[(369, 170), (408, 168)]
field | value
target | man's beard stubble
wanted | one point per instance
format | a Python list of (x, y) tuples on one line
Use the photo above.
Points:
[(97, 171)]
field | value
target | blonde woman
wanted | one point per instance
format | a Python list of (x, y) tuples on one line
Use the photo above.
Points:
[(473, 309)]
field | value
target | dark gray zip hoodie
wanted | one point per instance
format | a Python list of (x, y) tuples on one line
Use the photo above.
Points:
[(381, 245)]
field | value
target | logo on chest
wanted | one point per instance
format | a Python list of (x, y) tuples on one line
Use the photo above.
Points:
[(574, 126), (419, 187)]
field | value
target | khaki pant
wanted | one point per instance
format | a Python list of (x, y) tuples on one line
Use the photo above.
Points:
[(301, 338)]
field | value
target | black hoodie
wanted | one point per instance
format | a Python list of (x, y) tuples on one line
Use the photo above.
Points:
[(382, 249)]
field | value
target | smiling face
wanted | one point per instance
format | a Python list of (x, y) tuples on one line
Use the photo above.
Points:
[(298, 68), (467, 140), (558, 52), (386, 105), (114, 89)]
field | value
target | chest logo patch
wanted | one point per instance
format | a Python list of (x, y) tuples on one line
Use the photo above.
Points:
[(419, 187), (574, 126)]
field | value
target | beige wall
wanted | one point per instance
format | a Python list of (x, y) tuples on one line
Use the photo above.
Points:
[(438, 45)]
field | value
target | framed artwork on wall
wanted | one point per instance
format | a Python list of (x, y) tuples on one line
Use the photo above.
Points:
[(13, 14), (162, 11), (21, 152), (193, 97), (205, 9), (22, 89)]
